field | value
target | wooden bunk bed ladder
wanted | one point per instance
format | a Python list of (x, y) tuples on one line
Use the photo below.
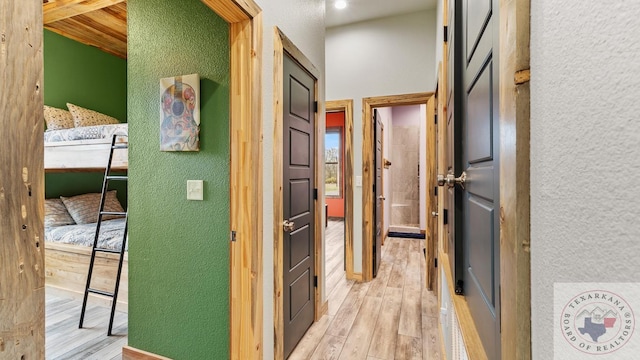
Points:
[(101, 212)]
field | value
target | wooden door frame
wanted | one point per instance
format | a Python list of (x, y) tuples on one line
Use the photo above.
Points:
[(346, 106), (368, 176), (515, 258), (245, 298), (282, 45)]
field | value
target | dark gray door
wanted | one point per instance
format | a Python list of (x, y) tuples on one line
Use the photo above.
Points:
[(477, 134), (298, 202), (377, 192)]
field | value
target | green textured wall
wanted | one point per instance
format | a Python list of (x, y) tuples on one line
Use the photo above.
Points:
[(85, 76), (88, 77), (179, 250)]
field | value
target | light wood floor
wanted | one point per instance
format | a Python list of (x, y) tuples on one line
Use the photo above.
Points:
[(63, 339), (391, 317)]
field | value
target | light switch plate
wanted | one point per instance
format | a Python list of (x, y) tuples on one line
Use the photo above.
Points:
[(194, 189), (359, 181)]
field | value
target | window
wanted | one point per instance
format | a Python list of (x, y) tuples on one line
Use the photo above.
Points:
[(333, 162)]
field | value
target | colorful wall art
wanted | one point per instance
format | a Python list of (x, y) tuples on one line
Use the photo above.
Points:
[(180, 113)]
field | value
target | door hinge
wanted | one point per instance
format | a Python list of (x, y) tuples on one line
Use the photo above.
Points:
[(435, 262), (315, 106), (232, 236), (460, 287), (315, 194), (446, 33), (445, 217), (435, 190), (424, 251), (315, 281), (435, 118)]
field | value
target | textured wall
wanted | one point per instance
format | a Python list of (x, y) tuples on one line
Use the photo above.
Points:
[(85, 76), (303, 23), (585, 150), (178, 252), (388, 56)]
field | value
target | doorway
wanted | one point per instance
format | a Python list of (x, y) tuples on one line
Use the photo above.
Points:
[(341, 112), (405, 165), (369, 172), (298, 209)]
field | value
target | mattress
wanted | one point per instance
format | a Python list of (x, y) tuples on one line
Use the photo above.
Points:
[(111, 232), (86, 133)]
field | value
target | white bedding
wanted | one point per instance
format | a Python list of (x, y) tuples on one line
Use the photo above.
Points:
[(111, 232), (86, 133)]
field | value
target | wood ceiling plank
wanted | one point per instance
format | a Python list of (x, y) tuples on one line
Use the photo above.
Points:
[(64, 9), (81, 32)]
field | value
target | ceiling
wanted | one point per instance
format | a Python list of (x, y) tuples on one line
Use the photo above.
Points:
[(99, 23), (361, 10), (103, 23)]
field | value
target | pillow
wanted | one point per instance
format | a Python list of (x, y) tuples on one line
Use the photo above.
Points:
[(57, 119), (56, 214), (86, 117), (84, 208)]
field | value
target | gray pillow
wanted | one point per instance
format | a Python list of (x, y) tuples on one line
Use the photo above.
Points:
[(56, 214), (84, 208)]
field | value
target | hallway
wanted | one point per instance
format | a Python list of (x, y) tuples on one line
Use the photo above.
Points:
[(391, 317)]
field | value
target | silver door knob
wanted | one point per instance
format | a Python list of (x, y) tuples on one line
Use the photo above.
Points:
[(382, 197), (288, 225), (450, 180)]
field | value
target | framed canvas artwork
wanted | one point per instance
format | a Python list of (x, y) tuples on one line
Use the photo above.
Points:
[(180, 113)]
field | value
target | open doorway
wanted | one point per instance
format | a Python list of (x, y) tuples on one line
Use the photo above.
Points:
[(339, 193), (370, 106), (404, 162)]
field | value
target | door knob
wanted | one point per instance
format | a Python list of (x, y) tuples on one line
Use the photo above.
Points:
[(382, 197), (451, 180), (288, 225)]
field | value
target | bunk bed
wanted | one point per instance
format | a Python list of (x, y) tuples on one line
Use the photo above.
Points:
[(101, 24), (67, 242)]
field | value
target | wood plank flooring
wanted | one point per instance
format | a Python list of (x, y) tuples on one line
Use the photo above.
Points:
[(63, 339), (391, 317)]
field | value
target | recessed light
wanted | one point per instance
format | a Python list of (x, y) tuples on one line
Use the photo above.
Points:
[(340, 4)]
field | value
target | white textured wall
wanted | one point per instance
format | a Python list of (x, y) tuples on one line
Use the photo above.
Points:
[(585, 150), (439, 35), (381, 57), (303, 23)]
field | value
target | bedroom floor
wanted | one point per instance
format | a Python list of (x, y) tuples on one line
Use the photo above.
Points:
[(63, 339)]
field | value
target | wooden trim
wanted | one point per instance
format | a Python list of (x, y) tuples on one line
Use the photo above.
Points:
[(357, 276), (83, 156), (347, 107), (283, 44), (246, 272), (515, 260), (324, 310), (443, 348), (368, 173), (131, 353), (59, 10), (22, 295), (234, 11), (470, 335)]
